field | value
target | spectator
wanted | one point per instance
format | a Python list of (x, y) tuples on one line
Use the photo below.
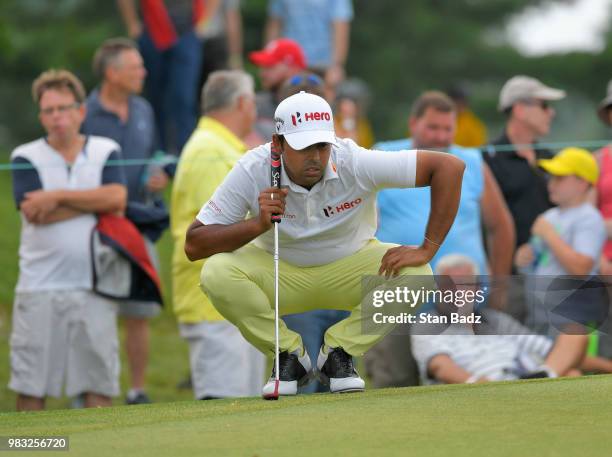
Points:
[(222, 40), (566, 240), (172, 52), (403, 214), (471, 131), (604, 184), (432, 123), (493, 347), (223, 363), (513, 156), (115, 111), (278, 61), (321, 28), (62, 331), (350, 112)]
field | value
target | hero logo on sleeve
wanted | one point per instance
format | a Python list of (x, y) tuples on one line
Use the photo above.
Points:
[(330, 211), (214, 207)]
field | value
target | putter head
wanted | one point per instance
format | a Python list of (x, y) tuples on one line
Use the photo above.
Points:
[(273, 395)]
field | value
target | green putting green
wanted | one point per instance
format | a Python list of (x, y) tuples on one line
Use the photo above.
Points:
[(563, 417)]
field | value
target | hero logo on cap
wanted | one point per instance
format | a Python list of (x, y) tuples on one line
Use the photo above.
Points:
[(305, 119), (297, 117)]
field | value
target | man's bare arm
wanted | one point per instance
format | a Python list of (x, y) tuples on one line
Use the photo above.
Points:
[(109, 198), (44, 207), (498, 224), (60, 214), (129, 14), (444, 173), (273, 29), (442, 368), (202, 241), (233, 20)]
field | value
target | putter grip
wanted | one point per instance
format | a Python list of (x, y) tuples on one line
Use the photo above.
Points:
[(275, 163)]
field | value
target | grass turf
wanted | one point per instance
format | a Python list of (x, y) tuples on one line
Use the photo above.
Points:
[(564, 417)]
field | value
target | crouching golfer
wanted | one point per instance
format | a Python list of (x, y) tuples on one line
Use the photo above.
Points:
[(326, 237)]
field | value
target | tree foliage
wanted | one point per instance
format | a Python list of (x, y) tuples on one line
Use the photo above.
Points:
[(398, 48)]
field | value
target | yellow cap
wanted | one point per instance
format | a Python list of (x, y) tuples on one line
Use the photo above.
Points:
[(572, 161)]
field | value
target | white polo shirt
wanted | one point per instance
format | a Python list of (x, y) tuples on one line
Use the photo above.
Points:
[(335, 219)]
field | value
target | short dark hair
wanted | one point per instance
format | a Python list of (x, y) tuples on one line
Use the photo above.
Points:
[(432, 99), (58, 80), (108, 53)]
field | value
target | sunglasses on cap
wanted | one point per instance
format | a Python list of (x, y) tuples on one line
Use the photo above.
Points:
[(313, 80)]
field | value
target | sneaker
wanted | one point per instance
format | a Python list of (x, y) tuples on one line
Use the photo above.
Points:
[(535, 375), (336, 369), (294, 372), (141, 398), (78, 402)]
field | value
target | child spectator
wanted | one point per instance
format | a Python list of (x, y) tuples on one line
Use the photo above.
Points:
[(566, 240)]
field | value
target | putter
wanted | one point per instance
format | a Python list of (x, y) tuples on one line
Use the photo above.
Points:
[(275, 160)]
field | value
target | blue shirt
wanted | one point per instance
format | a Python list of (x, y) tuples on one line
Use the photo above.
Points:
[(403, 213), (310, 23), (136, 137)]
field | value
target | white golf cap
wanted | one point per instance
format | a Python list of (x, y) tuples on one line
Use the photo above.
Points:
[(524, 88), (305, 119)]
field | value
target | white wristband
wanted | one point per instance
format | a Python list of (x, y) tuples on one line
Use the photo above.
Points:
[(472, 379)]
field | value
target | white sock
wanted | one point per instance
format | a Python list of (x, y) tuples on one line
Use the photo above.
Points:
[(300, 352), (133, 393), (551, 373)]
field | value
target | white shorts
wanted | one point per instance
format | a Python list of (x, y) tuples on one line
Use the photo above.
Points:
[(64, 336), (223, 363)]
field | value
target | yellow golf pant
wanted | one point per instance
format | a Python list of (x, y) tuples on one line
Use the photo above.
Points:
[(240, 285)]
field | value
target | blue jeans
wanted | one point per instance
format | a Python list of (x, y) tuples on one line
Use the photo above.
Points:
[(312, 326), (172, 88)]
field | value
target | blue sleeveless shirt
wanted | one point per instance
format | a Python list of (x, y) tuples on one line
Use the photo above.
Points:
[(403, 213)]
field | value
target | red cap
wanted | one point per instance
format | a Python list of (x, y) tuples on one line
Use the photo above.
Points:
[(277, 51)]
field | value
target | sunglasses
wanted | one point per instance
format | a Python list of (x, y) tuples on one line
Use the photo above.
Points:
[(541, 103), (298, 80), (61, 109)]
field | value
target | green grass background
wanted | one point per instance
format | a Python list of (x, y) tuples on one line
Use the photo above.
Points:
[(563, 417)]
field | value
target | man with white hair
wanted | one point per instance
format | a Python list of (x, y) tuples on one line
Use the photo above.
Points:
[(219, 355), (487, 345)]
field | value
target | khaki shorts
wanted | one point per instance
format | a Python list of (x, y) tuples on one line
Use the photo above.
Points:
[(223, 363), (64, 337)]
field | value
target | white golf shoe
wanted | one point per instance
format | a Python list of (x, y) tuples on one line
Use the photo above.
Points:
[(336, 369), (293, 371)]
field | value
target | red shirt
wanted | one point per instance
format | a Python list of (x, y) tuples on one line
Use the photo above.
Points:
[(604, 191)]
